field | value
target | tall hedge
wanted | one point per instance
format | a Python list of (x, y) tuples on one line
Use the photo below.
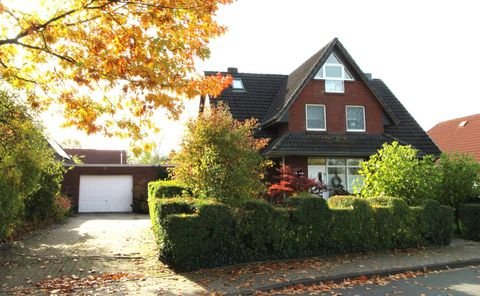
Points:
[(195, 233), (470, 219)]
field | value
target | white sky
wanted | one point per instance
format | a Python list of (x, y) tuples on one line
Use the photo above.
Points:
[(427, 52)]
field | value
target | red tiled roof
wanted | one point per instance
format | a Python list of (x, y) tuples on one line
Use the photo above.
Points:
[(451, 136)]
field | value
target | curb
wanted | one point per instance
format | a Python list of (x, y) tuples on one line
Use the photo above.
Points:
[(378, 272)]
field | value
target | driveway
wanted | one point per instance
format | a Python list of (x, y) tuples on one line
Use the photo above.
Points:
[(86, 245)]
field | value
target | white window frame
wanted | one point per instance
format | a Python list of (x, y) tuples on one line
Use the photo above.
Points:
[(324, 77), (324, 117), (364, 119)]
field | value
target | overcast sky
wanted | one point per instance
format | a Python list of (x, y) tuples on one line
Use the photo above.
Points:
[(427, 52)]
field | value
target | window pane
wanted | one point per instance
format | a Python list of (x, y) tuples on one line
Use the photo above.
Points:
[(354, 179), (333, 72), (336, 161), (354, 162), (332, 59), (237, 83), (355, 118), (334, 86), (336, 177), (315, 117), (316, 161)]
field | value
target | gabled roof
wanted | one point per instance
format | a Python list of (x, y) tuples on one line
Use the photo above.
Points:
[(458, 135), (260, 90), (297, 80)]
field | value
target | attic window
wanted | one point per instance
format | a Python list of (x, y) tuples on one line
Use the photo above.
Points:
[(463, 123), (334, 74), (237, 84)]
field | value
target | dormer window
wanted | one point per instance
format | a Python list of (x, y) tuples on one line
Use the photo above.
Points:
[(237, 84), (334, 74)]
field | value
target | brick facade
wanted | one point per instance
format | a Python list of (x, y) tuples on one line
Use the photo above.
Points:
[(356, 93)]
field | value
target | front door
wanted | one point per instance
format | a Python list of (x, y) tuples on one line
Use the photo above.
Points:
[(319, 173)]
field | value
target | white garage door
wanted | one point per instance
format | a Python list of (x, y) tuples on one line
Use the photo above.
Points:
[(105, 193)]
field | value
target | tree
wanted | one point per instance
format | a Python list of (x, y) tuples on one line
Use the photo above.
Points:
[(109, 63), (148, 157), (460, 181), (29, 174), (219, 158), (396, 170)]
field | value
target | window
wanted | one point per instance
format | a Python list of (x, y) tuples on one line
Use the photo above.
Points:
[(355, 118), (237, 84), (334, 74), (344, 172), (315, 116)]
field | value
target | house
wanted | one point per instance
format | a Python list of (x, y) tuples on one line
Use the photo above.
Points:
[(99, 156), (324, 117), (458, 135)]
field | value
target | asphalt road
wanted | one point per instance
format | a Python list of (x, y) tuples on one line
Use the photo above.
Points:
[(455, 282)]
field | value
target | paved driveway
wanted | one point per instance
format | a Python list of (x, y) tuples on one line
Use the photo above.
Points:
[(87, 244)]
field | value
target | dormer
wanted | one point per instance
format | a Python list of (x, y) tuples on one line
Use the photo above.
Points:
[(334, 73)]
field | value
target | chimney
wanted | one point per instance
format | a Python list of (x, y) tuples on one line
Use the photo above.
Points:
[(232, 70)]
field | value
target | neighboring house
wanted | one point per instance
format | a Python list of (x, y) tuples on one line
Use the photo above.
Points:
[(104, 182), (99, 156), (325, 117), (458, 135)]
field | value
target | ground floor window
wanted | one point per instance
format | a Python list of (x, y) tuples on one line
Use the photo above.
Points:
[(336, 172)]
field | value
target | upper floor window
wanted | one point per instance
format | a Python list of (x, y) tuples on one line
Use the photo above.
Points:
[(355, 118), (315, 117), (237, 84), (334, 74)]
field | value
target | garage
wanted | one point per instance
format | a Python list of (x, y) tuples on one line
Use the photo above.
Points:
[(105, 193)]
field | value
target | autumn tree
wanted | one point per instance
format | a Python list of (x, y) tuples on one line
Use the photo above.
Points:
[(219, 158), (109, 63)]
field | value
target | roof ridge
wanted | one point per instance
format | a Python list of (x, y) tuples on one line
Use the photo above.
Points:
[(457, 119), (244, 73)]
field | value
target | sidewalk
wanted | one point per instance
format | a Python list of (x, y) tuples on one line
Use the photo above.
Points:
[(248, 278)]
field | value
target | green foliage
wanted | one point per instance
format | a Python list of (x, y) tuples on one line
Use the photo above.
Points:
[(470, 218), (220, 158), (30, 175), (460, 176), (195, 233), (165, 188), (396, 170), (341, 201)]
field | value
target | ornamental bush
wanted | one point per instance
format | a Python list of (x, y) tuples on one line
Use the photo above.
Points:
[(397, 170), (219, 158), (195, 233)]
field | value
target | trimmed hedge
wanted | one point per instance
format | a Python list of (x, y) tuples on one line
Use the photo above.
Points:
[(165, 188), (195, 233), (470, 219)]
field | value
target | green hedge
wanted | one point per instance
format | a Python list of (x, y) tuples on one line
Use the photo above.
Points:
[(470, 219), (195, 234), (165, 188)]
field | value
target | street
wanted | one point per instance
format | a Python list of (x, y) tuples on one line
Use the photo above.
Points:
[(455, 282)]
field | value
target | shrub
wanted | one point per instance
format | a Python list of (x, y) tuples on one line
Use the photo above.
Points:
[(460, 174), (165, 188), (397, 170), (341, 201), (30, 174), (195, 233), (289, 183), (219, 158), (470, 219)]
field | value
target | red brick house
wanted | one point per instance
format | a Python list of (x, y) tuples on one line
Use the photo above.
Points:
[(324, 117), (458, 135)]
